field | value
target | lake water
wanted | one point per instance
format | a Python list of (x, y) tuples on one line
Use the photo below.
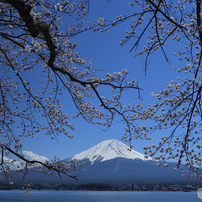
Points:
[(100, 196)]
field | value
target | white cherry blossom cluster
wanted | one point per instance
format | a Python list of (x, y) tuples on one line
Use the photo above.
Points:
[(34, 44), (178, 107)]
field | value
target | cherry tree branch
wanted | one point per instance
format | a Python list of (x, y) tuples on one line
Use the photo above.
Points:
[(49, 167)]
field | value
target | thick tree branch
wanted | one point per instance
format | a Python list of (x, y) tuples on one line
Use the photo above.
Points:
[(198, 13), (24, 11)]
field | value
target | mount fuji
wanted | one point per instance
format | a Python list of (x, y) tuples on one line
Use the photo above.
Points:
[(112, 162), (108, 150)]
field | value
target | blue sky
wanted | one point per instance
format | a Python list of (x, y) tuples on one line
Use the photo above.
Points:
[(108, 55)]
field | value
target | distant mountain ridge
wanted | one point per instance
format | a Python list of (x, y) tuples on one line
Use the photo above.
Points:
[(111, 162)]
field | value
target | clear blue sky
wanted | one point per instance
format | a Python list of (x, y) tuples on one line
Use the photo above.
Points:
[(107, 54)]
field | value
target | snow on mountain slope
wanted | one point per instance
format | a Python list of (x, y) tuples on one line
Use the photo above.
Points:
[(109, 149)]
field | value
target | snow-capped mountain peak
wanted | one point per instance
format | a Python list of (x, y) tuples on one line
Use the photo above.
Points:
[(109, 149)]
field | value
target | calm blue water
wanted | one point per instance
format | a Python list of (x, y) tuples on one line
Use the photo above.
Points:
[(102, 196)]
